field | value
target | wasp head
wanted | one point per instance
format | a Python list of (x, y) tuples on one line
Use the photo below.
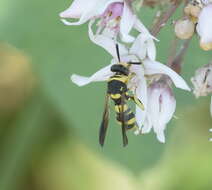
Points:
[(121, 68)]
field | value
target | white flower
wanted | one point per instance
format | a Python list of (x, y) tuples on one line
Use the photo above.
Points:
[(204, 27), (143, 46), (202, 81), (160, 109), (114, 17), (152, 116), (138, 85)]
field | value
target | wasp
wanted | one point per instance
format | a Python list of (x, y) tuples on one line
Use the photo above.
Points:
[(119, 93)]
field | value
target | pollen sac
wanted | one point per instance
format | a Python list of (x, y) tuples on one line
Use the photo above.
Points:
[(184, 29), (202, 81)]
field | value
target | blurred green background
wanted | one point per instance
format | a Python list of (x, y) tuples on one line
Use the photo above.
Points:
[(49, 127)]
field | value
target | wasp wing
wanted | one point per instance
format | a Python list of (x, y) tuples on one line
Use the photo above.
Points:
[(104, 124), (123, 123)]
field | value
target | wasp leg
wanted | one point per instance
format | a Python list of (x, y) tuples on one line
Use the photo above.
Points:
[(137, 101), (131, 76)]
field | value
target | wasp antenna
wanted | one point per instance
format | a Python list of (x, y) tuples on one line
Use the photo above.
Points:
[(117, 51), (135, 63)]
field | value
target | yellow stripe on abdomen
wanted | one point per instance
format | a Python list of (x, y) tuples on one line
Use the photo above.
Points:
[(131, 121), (119, 107), (115, 96)]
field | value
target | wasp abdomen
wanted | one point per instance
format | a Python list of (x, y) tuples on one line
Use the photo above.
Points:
[(128, 117)]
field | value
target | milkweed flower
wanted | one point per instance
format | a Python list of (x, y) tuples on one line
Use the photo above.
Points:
[(144, 73), (139, 86), (204, 27), (112, 18), (160, 102), (202, 81), (160, 108)]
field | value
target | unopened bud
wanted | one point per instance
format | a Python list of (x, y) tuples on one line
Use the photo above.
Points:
[(184, 29), (192, 11)]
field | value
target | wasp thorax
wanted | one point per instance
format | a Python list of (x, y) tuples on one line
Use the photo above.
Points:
[(184, 29)]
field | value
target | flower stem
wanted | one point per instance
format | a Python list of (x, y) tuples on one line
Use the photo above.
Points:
[(165, 17), (176, 63)]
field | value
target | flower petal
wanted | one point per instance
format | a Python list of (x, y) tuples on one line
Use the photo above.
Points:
[(167, 108), (147, 126), (154, 67), (101, 75), (141, 92), (106, 42), (154, 95), (80, 9), (160, 136), (85, 10), (141, 28), (139, 46), (77, 8), (126, 23), (204, 28), (144, 46), (80, 80), (153, 108), (151, 49), (104, 4), (146, 38), (166, 113)]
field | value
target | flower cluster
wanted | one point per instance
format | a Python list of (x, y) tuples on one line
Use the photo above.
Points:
[(110, 22)]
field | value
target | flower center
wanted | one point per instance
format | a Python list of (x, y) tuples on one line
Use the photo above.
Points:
[(112, 15)]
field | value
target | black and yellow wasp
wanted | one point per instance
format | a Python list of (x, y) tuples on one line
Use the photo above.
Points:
[(118, 91)]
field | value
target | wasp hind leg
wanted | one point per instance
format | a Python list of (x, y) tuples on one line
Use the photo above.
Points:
[(137, 101)]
